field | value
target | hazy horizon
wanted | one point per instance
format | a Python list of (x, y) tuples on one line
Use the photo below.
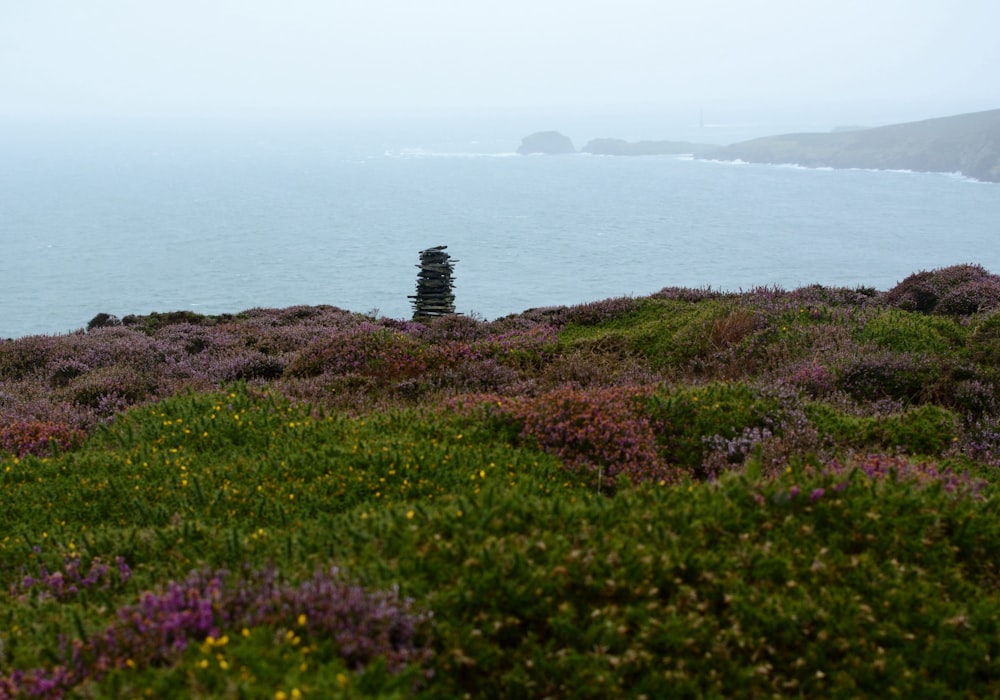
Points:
[(639, 62)]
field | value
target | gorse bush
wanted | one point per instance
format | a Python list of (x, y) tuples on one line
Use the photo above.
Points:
[(254, 455), (922, 430), (590, 596), (664, 333), (902, 332), (723, 590)]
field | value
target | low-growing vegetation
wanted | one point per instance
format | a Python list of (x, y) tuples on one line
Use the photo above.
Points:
[(693, 494)]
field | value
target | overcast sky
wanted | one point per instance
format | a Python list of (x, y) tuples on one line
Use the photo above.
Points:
[(323, 57)]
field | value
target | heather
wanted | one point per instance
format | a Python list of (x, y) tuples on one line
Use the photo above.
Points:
[(690, 494)]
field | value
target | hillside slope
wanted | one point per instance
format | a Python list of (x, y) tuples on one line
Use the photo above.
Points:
[(967, 143)]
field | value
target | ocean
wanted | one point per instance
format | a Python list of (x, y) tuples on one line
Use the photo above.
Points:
[(217, 220)]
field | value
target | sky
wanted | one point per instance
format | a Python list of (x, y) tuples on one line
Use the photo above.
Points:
[(321, 58)]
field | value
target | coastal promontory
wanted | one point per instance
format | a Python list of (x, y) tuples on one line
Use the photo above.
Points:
[(621, 147), (549, 143), (967, 143)]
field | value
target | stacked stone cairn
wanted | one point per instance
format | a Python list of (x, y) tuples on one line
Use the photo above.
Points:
[(434, 295)]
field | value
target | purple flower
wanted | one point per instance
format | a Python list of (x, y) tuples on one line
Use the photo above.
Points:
[(156, 630)]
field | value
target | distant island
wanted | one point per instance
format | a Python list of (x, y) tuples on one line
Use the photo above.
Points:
[(620, 147), (547, 143), (967, 143)]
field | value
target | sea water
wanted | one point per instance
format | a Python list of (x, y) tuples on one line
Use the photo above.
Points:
[(217, 221)]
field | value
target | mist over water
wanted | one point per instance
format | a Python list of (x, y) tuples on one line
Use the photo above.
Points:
[(214, 220)]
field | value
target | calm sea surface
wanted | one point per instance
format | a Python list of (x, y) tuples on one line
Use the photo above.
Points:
[(127, 223)]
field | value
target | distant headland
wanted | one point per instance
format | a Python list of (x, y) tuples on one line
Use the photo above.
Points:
[(968, 144)]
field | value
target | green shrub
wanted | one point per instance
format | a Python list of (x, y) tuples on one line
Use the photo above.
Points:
[(668, 334), (837, 427), (984, 342), (867, 581), (686, 418), (252, 454), (923, 430), (907, 332), (806, 583)]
